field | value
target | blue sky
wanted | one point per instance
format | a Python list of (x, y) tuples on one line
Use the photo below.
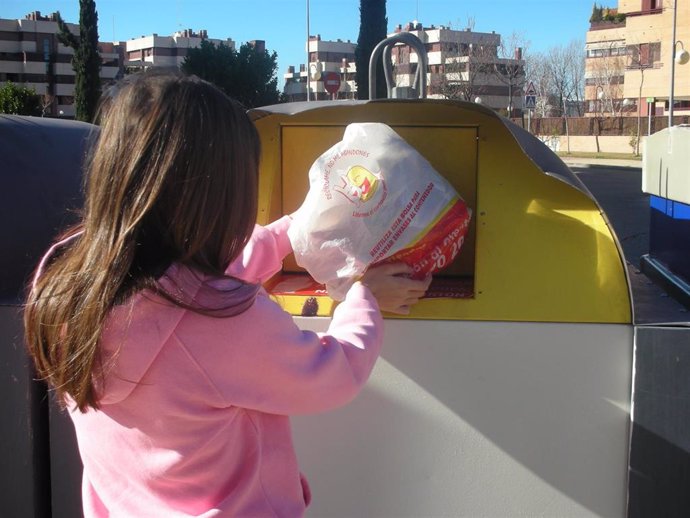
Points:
[(282, 23)]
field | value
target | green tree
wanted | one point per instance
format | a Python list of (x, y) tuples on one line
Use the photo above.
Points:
[(19, 100), (247, 75), (86, 61), (373, 25)]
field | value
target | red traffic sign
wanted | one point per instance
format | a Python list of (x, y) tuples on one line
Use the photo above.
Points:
[(331, 81)]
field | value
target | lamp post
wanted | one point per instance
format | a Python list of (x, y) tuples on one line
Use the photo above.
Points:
[(306, 67), (681, 58)]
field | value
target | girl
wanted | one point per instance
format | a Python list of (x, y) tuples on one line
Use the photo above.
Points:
[(149, 322)]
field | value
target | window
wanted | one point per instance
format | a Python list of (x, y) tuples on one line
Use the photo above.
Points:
[(651, 5), (644, 55), (655, 52), (678, 105)]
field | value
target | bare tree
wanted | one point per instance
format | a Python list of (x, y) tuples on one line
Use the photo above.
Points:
[(47, 101), (536, 72), (465, 66), (510, 67), (575, 56), (558, 76), (606, 74), (642, 56), (465, 71), (558, 71)]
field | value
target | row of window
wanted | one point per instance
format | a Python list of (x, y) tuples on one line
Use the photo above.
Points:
[(158, 52), (454, 67), (596, 81), (645, 54), (602, 106), (22, 36), (330, 57), (37, 57), (606, 52), (37, 78), (445, 87)]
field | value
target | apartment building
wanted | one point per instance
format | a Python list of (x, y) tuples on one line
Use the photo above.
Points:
[(629, 51), (32, 56), (166, 51), (324, 57), (462, 65)]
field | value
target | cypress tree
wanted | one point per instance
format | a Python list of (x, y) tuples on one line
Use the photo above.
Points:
[(373, 27), (597, 14), (86, 61)]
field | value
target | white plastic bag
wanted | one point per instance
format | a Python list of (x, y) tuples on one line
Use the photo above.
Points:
[(374, 198)]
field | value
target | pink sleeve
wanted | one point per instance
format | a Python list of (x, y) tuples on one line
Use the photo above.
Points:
[(261, 360), (263, 255)]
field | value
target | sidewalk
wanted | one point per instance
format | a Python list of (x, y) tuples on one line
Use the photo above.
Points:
[(601, 162)]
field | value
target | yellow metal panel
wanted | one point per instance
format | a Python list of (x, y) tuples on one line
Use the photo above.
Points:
[(540, 250)]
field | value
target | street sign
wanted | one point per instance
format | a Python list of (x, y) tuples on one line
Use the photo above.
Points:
[(530, 97), (331, 82)]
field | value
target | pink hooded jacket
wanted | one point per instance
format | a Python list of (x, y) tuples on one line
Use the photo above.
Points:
[(194, 411)]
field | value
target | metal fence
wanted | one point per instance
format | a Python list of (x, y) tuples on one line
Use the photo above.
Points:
[(592, 126)]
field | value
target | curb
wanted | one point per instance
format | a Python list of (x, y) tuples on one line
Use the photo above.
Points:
[(584, 165)]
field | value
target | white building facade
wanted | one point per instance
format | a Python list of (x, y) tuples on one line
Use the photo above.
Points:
[(166, 51), (464, 65), (324, 57), (32, 56), (461, 65)]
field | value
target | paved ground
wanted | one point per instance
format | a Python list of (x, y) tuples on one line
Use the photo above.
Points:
[(618, 189), (601, 162), (616, 185)]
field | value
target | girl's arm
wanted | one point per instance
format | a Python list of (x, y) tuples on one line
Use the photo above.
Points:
[(261, 360), (263, 255)]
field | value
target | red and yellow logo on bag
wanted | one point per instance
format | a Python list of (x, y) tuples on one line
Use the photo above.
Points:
[(358, 185)]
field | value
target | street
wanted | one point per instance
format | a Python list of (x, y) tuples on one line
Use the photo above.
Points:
[(618, 191)]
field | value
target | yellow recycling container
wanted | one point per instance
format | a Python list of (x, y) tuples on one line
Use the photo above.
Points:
[(539, 248), (506, 392)]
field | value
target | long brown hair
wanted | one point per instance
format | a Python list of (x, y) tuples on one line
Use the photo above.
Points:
[(172, 178)]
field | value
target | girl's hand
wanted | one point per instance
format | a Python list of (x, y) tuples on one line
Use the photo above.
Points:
[(394, 291)]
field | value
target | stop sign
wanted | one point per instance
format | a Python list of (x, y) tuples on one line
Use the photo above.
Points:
[(331, 81)]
